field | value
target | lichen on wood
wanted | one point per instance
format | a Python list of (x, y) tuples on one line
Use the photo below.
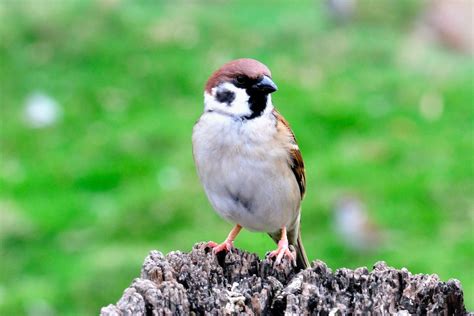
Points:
[(200, 282)]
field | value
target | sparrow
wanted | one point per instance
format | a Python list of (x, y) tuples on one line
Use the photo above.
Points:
[(353, 223), (248, 160)]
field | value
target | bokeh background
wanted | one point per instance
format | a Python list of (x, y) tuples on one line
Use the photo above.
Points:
[(98, 100)]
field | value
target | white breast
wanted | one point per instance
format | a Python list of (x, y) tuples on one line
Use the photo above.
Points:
[(244, 169)]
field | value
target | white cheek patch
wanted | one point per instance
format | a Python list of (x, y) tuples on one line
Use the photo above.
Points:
[(269, 107), (238, 107)]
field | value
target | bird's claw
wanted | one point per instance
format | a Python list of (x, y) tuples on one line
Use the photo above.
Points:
[(283, 250), (225, 246)]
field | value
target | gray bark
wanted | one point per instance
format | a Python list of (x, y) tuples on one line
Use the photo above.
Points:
[(240, 283)]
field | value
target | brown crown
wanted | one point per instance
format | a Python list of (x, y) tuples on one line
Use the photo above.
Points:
[(245, 66)]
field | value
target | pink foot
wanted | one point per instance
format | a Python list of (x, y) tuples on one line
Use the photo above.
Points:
[(225, 246), (282, 250)]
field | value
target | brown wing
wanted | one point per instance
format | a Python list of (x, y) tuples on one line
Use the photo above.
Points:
[(295, 159)]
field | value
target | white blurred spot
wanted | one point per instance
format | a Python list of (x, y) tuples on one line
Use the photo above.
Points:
[(431, 106), (447, 23), (41, 110), (169, 178), (452, 23), (341, 10), (40, 307), (354, 225)]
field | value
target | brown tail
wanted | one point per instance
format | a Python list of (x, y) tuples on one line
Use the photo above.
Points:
[(302, 261)]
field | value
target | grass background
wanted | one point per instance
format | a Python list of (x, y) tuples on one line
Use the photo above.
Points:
[(83, 201)]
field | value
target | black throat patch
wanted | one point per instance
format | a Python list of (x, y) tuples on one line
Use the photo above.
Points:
[(257, 104)]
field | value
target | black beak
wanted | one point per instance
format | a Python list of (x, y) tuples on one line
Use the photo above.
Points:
[(265, 85)]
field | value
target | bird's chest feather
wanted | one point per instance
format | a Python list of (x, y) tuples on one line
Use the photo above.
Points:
[(226, 146), (244, 169)]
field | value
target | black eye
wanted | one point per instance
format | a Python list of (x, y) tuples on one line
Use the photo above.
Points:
[(240, 80)]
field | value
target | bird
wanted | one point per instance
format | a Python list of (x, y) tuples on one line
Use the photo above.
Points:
[(248, 160), (353, 223)]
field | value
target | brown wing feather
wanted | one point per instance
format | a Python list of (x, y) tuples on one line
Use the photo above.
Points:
[(296, 160)]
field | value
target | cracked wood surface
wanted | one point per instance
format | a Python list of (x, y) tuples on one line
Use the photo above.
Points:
[(239, 283)]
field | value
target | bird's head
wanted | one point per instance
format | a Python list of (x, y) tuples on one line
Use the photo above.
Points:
[(241, 88)]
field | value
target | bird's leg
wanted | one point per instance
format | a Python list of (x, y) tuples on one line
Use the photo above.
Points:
[(228, 243), (283, 249)]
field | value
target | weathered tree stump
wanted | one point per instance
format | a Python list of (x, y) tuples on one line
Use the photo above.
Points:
[(240, 283)]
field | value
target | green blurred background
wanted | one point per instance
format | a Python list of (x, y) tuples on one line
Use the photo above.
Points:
[(99, 98)]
